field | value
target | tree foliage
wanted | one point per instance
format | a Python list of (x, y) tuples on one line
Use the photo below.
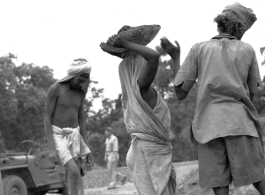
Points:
[(262, 51), (181, 112), (23, 92), (110, 115)]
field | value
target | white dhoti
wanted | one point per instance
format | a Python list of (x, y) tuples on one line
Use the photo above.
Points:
[(69, 144), (150, 166)]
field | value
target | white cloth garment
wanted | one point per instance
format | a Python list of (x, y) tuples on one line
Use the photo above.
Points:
[(69, 144), (112, 144), (149, 158), (77, 67), (241, 13)]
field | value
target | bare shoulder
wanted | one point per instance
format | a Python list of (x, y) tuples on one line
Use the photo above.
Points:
[(54, 89)]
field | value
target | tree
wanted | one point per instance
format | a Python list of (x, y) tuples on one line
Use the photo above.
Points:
[(8, 101), (93, 94), (23, 91), (110, 115), (262, 51), (181, 112)]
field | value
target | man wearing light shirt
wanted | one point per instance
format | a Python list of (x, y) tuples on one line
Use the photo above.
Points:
[(111, 155), (226, 124)]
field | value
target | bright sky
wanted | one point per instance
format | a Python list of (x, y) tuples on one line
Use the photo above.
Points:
[(54, 33)]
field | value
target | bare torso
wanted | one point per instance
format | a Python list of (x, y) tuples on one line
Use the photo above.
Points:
[(67, 106), (150, 97)]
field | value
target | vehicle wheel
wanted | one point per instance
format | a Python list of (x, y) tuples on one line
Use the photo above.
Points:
[(65, 189), (14, 185), (37, 192)]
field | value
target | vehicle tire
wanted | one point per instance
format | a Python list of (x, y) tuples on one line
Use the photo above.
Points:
[(14, 185), (65, 189), (37, 192)]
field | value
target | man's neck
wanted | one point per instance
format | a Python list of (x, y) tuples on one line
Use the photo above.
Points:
[(224, 33), (228, 34)]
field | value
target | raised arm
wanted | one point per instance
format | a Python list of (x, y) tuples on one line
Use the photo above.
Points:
[(174, 52), (151, 56)]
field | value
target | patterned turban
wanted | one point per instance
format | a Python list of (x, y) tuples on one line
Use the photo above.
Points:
[(241, 13), (77, 67)]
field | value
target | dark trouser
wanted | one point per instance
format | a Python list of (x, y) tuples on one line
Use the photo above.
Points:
[(233, 158)]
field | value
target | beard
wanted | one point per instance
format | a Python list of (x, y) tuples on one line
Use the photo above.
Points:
[(75, 86)]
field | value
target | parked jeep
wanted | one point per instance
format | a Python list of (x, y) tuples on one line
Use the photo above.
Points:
[(31, 173)]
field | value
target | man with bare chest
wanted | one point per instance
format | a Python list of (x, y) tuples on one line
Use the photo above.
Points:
[(65, 124), (67, 105)]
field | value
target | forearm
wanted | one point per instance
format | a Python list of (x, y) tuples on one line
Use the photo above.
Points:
[(147, 53), (82, 127), (174, 52), (180, 93), (175, 65), (48, 131), (175, 59)]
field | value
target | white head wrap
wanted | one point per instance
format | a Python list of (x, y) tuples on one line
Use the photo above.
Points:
[(77, 67), (243, 14)]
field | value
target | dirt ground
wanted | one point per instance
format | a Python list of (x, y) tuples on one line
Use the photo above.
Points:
[(128, 188), (187, 179)]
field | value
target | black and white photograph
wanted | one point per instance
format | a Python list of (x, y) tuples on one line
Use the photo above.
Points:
[(143, 97)]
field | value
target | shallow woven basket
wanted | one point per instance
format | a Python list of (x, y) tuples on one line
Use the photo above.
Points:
[(141, 35)]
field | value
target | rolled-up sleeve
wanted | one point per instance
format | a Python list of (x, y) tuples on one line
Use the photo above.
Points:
[(188, 72), (254, 81)]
